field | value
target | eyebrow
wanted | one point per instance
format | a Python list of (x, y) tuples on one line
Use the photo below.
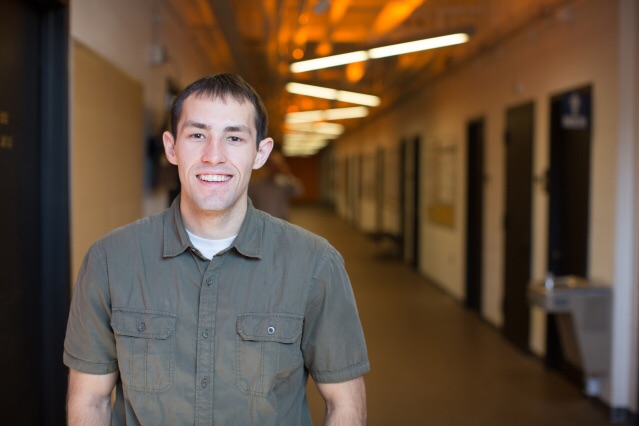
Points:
[(196, 124), (234, 128), (238, 128)]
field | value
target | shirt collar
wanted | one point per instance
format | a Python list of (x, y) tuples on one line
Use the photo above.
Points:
[(176, 240), (248, 241)]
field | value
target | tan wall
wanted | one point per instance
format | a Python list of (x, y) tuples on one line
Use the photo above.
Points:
[(121, 32), (107, 150)]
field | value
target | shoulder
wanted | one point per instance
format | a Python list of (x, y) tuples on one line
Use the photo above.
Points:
[(150, 227), (300, 246), (277, 226), (291, 236)]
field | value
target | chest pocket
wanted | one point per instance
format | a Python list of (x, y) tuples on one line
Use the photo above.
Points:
[(267, 350), (145, 342)]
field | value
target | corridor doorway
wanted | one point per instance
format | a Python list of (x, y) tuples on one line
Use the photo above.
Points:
[(569, 183), (34, 218), (380, 195), (474, 212), (410, 201), (517, 223), (569, 195)]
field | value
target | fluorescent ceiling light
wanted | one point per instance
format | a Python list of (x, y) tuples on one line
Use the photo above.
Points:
[(299, 151), (305, 144), (327, 114), (358, 98), (308, 90), (333, 94), (304, 116), (342, 113), (315, 146), (329, 61), (324, 128), (379, 52), (416, 46), (307, 137)]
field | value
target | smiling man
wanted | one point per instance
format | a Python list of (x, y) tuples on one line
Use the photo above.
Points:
[(213, 312)]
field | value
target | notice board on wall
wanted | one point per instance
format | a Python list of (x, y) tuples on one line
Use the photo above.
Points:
[(441, 182)]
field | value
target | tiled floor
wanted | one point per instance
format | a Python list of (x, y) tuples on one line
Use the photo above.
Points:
[(434, 362)]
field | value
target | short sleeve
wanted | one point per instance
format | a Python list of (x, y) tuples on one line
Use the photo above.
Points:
[(333, 340), (89, 345)]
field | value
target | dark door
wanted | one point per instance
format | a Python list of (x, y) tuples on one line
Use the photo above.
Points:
[(359, 189), (410, 200), (474, 212), (402, 197), (416, 201), (348, 179), (379, 191), (34, 243), (517, 223), (569, 183), (569, 193)]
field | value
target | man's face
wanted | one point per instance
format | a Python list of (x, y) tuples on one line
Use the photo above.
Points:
[(215, 152)]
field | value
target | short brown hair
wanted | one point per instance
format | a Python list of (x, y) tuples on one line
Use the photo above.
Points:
[(220, 86)]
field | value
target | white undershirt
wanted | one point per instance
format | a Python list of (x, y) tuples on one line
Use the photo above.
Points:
[(210, 248)]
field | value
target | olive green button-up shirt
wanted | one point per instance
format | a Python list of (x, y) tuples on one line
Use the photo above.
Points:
[(227, 341)]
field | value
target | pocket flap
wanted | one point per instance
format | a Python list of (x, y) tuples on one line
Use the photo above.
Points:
[(142, 323), (273, 327)]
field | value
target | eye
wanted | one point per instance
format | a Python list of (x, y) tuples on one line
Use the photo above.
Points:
[(234, 139), (197, 136)]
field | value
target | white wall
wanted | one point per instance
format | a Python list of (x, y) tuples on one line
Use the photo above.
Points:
[(550, 58), (623, 387)]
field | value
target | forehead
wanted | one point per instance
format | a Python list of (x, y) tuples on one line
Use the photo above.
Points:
[(207, 109)]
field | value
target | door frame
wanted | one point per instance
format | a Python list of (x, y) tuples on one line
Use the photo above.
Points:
[(41, 252)]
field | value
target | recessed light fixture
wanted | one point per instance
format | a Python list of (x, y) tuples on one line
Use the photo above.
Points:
[(326, 114), (329, 61), (324, 128), (379, 52), (333, 94)]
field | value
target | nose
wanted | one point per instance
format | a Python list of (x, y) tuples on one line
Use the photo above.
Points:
[(214, 152)]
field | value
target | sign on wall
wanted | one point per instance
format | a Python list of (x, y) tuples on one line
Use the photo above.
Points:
[(441, 182)]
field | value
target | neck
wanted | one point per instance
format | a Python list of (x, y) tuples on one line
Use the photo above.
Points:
[(214, 225)]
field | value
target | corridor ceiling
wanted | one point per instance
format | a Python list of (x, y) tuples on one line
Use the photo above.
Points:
[(259, 39)]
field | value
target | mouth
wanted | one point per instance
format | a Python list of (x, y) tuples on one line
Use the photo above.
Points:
[(214, 178)]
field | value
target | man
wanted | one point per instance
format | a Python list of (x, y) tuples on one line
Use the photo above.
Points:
[(273, 192), (213, 312)]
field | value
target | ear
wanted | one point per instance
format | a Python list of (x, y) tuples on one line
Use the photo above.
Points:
[(263, 151), (169, 147)]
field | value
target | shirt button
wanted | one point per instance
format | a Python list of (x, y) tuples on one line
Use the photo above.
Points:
[(206, 333), (270, 330), (141, 327), (205, 382), (209, 281)]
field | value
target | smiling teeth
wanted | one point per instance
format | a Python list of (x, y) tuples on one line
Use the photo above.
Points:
[(214, 178)]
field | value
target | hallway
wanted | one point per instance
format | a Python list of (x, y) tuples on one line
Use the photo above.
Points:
[(433, 362)]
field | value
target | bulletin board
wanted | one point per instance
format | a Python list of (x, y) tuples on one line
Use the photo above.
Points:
[(441, 181)]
